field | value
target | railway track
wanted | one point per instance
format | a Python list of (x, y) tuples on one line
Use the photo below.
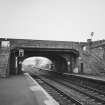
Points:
[(90, 92), (95, 84), (60, 93), (57, 95), (77, 96), (87, 88)]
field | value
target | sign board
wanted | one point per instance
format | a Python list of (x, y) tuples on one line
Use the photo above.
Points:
[(21, 52)]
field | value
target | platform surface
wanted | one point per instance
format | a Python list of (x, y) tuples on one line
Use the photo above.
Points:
[(100, 78), (16, 90)]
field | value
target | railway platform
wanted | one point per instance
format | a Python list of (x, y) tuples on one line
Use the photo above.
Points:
[(23, 90), (98, 78)]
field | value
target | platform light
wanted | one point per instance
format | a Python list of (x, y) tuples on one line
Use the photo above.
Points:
[(84, 48), (79, 58), (68, 62), (92, 34)]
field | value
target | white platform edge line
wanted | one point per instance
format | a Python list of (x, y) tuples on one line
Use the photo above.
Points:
[(51, 100)]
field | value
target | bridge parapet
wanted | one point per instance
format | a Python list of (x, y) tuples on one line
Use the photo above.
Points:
[(44, 44)]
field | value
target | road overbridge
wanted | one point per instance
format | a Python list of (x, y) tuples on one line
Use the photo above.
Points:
[(59, 53), (67, 56)]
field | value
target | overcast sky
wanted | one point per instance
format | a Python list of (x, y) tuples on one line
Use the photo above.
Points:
[(66, 20)]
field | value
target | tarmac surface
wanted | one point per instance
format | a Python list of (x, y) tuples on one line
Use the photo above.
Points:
[(16, 90)]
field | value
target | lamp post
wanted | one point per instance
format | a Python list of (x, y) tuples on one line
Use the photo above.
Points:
[(92, 33), (68, 62)]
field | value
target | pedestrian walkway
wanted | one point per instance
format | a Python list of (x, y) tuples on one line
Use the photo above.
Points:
[(16, 90)]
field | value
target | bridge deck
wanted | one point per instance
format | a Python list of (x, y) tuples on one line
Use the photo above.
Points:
[(19, 90)]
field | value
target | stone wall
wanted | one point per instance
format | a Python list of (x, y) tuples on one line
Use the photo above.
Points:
[(4, 64), (93, 60), (4, 60)]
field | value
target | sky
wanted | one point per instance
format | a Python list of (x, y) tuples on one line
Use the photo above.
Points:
[(62, 20)]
